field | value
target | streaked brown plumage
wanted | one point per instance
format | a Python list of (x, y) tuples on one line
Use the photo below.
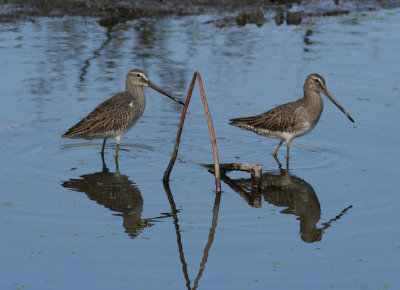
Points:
[(293, 119), (115, 116)]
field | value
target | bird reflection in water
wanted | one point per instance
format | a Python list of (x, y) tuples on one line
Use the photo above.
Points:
[(282, 189), (117, 193)]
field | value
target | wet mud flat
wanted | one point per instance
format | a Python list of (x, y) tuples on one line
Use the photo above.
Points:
[(227, 12)]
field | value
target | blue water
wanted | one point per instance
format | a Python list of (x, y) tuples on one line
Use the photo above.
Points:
[(330, 222)]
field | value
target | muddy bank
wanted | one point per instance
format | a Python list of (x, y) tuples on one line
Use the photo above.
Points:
[(227, 12)]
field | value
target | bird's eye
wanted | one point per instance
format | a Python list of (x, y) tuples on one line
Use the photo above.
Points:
[(317, 81), (138, 75)]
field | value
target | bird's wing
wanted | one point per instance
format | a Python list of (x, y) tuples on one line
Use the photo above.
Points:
[(106, 116), (281, 118)]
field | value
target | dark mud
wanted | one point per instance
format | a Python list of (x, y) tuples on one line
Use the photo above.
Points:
[(228, 12)]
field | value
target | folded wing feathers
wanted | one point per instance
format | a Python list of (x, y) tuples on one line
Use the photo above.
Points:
[(278, 119), (101, 119)]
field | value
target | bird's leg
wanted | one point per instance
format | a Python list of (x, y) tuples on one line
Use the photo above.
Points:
[(287, 152), (287, 164), (277, 161), (116, 165), (116, 151), (277, 148), (104, 163), (117, 139), (102, 148)]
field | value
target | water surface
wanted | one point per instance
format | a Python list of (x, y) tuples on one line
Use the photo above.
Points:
[(70, 222)]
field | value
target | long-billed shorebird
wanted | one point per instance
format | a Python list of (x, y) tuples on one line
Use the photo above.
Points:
[(116, 115), (293, 119)]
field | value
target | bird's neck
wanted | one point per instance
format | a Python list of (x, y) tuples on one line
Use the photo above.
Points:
[(135, 90), (313, 97), (315, 103)]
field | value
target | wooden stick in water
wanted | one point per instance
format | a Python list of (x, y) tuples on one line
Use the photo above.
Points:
[(210, 127)]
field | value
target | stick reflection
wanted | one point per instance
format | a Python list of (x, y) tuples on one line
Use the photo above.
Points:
[(179, 238)]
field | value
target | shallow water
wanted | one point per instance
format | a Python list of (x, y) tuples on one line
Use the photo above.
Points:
[(330, 222)]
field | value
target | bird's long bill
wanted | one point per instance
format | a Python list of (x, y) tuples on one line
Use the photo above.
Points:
[(326, 93), (154, 87)]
